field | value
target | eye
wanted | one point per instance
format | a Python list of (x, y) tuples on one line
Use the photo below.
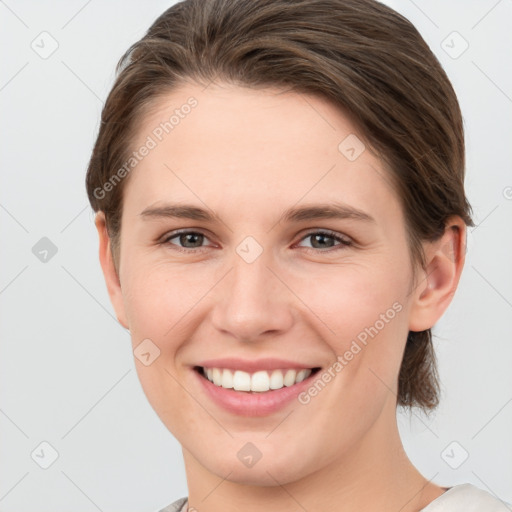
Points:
[(189, 240), (326, 240), (192, 241)]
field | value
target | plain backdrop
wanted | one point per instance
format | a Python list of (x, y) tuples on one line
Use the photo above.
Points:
[(67, 374)]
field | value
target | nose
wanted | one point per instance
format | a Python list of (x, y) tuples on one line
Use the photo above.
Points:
[(253, 303)]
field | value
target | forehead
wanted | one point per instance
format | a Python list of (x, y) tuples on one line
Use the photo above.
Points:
[(234, 147)]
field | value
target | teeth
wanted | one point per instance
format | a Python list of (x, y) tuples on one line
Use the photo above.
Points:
[(216, 376), (241, 381), (259, 381), (289, 378), (227, 379), (301, 375), (276, 380)]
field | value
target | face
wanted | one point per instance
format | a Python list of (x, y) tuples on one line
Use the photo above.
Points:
[(289, 250)]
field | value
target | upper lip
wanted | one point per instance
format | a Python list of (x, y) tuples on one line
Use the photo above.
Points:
[(252, 365)]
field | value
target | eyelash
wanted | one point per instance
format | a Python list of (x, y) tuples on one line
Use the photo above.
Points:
[(343, 242)]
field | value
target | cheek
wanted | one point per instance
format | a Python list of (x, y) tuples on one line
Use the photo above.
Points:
[(159, 298), (348, 299), (159, 302), (361, 312)]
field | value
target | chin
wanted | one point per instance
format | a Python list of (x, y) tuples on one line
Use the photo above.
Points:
[(270, 471)]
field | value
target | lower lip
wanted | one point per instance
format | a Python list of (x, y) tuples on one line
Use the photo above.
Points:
[(253, 403)]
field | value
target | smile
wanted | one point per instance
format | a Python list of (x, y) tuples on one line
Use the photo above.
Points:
[(260, 393), (259, 381)]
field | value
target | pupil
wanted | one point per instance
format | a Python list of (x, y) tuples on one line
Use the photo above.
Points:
[(322, 237), (196, 238)]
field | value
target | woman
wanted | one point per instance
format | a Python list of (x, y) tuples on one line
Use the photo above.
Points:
[(279, 189)]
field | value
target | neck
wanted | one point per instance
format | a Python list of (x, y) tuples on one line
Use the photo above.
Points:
[(375, 475)]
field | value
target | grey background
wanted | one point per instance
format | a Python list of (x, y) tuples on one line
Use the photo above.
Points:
[(67, 375)]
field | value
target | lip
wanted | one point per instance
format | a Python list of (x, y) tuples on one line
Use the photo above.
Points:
[(252, 366), (251, 403)]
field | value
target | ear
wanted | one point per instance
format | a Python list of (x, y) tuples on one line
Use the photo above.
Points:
[(109, 271), (436, 285)]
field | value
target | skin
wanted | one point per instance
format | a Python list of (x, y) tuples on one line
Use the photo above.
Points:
[(247, 155)]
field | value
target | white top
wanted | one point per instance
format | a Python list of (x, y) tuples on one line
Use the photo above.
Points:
[(461, 498)]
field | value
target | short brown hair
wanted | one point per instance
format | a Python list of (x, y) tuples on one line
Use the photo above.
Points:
[(360, 54)]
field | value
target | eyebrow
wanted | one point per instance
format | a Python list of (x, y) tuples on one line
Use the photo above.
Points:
[(294, 214)]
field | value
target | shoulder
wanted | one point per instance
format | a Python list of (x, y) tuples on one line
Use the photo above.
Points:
[(467, 498), (177, 506)]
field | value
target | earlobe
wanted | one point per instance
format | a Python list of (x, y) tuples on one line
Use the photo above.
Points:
[(438, 282), (109, 271)]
